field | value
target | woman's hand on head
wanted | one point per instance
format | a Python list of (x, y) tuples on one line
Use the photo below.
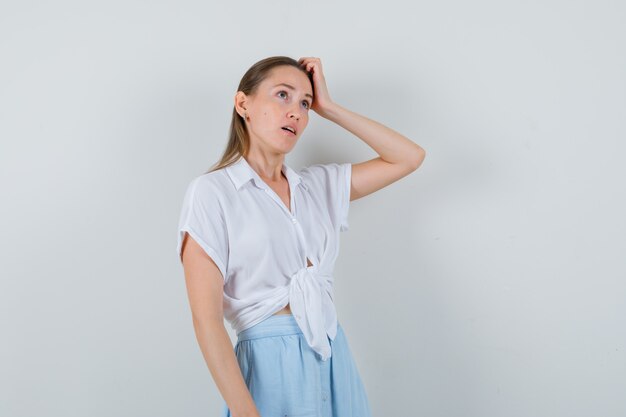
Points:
[(321, 101)]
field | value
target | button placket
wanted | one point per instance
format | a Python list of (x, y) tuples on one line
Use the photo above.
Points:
[(325, 388), (302, 240), (280, 203), (291, 215)]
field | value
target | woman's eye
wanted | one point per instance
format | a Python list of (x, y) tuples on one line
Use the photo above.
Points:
[(307, 105)]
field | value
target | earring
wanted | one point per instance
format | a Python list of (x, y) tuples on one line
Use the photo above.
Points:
[(246, 116)]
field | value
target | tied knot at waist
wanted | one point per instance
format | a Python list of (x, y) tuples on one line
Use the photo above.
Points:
[(312, 305)]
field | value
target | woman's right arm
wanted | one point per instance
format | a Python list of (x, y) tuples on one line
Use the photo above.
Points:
[(205, 288)]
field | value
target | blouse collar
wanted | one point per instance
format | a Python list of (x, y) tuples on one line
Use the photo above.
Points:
[(241, 172)]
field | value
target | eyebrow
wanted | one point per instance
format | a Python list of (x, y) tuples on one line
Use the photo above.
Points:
[(291, 87)]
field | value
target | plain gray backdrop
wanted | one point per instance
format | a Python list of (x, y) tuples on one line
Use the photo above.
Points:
[(490, 282)]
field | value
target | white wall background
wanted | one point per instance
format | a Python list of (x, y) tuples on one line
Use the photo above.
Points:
[(489, 283)]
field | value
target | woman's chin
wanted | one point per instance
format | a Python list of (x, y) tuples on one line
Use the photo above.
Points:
[(286, 146)]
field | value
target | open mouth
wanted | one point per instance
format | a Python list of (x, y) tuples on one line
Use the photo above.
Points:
[(290, 130)]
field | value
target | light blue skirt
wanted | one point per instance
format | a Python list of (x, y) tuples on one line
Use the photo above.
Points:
[(287, 378)]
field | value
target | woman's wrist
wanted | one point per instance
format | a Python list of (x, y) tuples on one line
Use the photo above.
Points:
[(331, 110)]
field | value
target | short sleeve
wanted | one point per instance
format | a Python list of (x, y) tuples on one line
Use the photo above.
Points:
[(333, 181), (202, 217)]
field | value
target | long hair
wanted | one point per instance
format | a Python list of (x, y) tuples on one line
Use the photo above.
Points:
[(239, 139)]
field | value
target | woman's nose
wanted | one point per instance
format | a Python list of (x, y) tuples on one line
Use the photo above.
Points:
[(294, 114)]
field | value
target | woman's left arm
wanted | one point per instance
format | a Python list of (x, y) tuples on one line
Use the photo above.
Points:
[(399, 156)]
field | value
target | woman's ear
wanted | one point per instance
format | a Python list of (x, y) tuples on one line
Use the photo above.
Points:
[(241, 101)]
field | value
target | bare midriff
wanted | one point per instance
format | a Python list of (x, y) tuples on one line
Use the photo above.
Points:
[(287, 309)]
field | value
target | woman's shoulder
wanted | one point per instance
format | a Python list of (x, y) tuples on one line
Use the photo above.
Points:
[(214, 183), (323, 173)]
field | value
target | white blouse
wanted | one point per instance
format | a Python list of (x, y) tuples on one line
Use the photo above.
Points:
[(261, 247)]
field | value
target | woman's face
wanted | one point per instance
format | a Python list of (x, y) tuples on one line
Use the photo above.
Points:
[(282, 99)]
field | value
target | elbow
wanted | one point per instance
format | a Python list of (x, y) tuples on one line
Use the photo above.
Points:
[(204, 322), (418, 158)]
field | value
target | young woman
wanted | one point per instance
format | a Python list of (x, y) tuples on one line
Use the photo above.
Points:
[(258, 242)]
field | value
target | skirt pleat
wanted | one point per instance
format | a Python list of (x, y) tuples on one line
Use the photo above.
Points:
[(287, 378)]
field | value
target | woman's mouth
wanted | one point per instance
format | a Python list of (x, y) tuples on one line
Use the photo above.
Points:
[(289, 130)]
